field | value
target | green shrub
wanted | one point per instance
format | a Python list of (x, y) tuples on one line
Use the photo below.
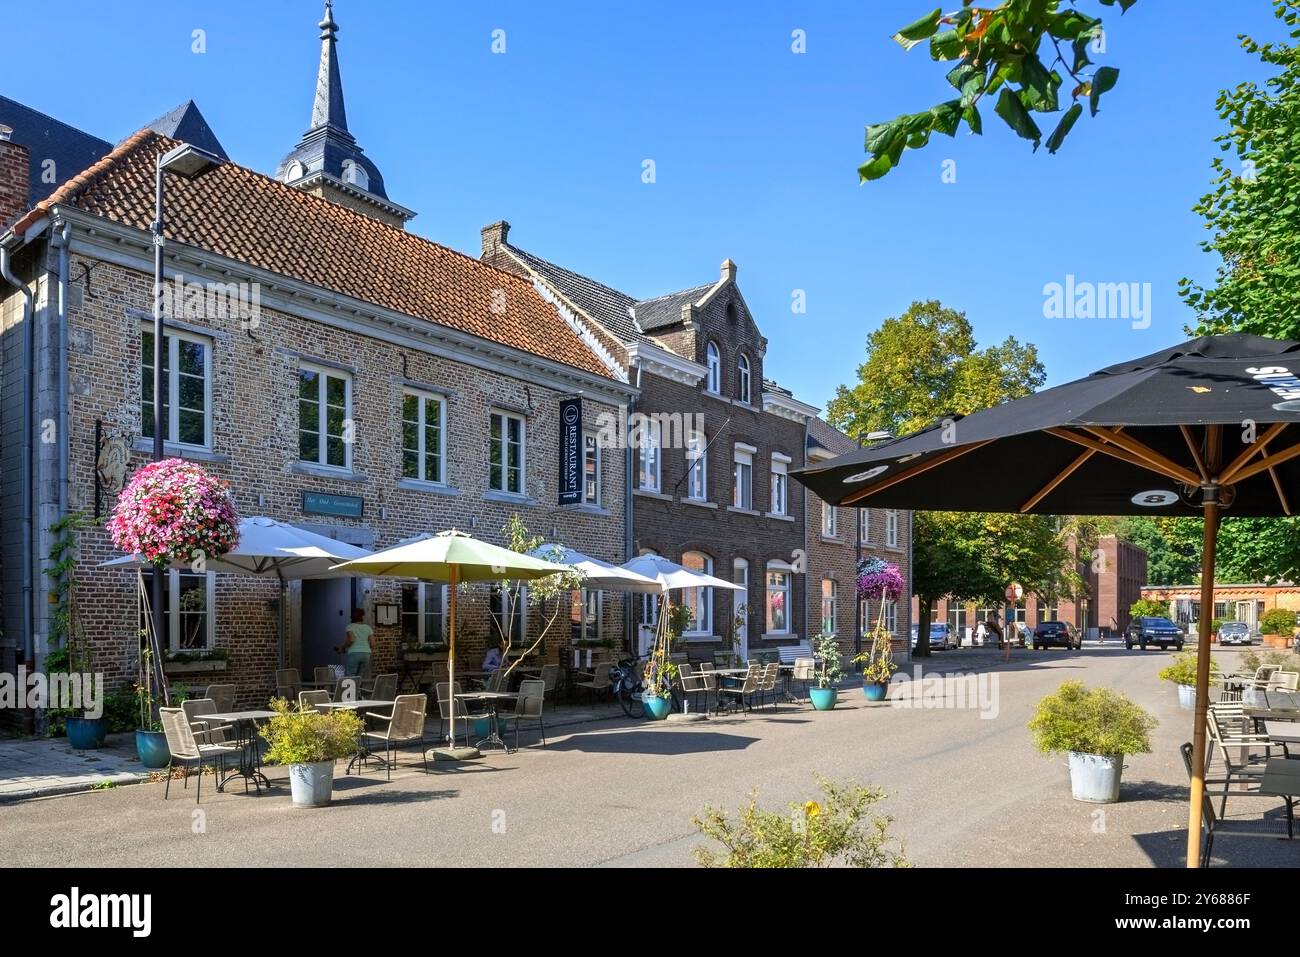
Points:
[(121, 710), (1283, 660), (1277, 621), (1091, 721), (1182, 670), (306, 737), (1148, 608), (838, 830)]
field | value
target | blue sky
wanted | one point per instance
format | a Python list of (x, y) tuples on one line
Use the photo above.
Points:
[(755, 148)]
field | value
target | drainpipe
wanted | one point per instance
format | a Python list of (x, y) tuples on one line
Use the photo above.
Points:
[(60, 239), (629, 531), (29, 609)]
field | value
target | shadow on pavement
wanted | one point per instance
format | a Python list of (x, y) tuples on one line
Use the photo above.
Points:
[(653, 742)]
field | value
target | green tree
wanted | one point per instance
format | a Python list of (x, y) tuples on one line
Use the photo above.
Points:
[(1148, 608), (1252, 210), (1000, 51), (1250, 549)]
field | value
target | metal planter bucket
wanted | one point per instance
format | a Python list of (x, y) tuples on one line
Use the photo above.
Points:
[(311, 784), (1094, 778), (1187, 697)]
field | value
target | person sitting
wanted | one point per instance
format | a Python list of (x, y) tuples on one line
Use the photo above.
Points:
[(492, 660)]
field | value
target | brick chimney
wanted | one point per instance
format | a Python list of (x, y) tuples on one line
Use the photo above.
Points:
[(494, 238), (13, 180)]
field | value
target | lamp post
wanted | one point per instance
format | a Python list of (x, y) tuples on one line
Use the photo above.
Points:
[(187, 162)]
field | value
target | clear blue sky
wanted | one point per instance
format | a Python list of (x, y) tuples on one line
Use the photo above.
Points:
[(756, 148)]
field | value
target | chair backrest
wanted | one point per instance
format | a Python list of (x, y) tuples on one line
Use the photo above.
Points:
[(196, 708), (408, 716), (532, 697), (287, 683), (753, 677), (180, 736), (444, 695), (307, 700), (805, 669), (771, 675), (724, 659), (600, 673), (550, 676), (1215, 722), (385, 688), (1284, 681), (323, 674), (499, 680), (705, 666), (223, 695), (1207, 806)]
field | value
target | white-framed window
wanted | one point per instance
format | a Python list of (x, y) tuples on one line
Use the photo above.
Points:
[(424, 613), (590, 470), (188, 603), (187, 385), (713, 363), (424, 419), (891, 528), (830, 520), (780, 483), (864, 526), (649, 455), (585, 606), (324, 416), (830, 596), (740, 599), (508, 606), (743, 389), (891, 617), (355, 175), (778, 599), (865, 622), (697, 468), (742, 495), (506, 453), (698, 600)]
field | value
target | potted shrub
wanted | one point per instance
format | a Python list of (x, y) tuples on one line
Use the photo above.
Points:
[(826, 647), (1182, 672), (1277, 626), (660, 673), (150, 740), (878, 665), (1097, 728), (309, 743), (878, 581)]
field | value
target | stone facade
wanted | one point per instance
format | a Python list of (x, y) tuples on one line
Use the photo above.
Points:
[(14, 174)]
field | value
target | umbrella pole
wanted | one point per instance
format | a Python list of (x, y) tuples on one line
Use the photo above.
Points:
[(1202, 679), (451, 661)]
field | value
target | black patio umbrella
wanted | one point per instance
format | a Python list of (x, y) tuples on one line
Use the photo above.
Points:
[(1203, 428)]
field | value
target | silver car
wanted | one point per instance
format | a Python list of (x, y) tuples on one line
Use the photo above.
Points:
[(939, 637), (1234, 633)]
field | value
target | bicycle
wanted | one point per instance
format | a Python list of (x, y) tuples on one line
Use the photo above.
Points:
[(627, 686)]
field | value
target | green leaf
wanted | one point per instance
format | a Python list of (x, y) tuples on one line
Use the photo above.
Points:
[(914, 33), (1081, 59), (1015, 115), (973, 119), (947, 117), (1039, 86), (1103, 81), (874, 169), (1063, 128), (947, 45)]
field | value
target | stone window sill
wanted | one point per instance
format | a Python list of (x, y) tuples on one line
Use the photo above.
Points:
[(743, 511), (175, 451), (648, 493), (699, 503), (432, 488), (326, 471)]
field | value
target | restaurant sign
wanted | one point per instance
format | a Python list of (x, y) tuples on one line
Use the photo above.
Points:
[(343, 506), (571, 451)]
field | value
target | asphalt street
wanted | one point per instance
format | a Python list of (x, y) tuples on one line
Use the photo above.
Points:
[(966, 787)]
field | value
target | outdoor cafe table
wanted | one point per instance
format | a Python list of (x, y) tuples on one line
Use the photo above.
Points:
[(1285, 733), (357, 704), (250, 759), (1281, 778), (489, 700)]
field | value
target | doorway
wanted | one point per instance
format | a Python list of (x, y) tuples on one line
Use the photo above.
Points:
[(326, 613), (740, 576)]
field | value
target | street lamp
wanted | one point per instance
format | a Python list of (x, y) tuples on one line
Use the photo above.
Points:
[(187, 162)]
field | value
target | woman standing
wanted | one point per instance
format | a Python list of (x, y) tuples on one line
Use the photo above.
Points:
[(356, 647)]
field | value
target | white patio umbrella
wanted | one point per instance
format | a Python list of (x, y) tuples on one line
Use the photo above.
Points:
[(272, 549), (671, 576), (596, 573)]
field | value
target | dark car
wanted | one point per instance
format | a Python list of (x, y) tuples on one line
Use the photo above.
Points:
[(1060, 633), (1153, 631)]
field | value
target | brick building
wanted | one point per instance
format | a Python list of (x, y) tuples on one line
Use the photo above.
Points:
[(711, 485), (343, 374), (1232, 602), (837, 538), (1114, 576)]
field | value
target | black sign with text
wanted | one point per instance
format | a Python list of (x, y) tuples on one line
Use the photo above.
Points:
[(570, 451)]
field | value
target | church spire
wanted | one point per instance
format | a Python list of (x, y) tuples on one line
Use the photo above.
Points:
[(328, 109)]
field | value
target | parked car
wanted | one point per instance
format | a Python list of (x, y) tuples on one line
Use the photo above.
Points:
[(1153, 631), (1020, 636), (939, 637), (1234, 633), (1060, 633)]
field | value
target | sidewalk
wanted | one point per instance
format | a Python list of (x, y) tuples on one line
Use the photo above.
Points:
[(42, 767)]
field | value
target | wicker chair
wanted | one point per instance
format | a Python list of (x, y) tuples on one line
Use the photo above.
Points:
[(551, 678), (288, 682), (444, 696), (1215, 824), (183, 748), (768, 681), (404, 727), (381, 687), (597, 680), (1227, 738), (693, 683), (530, 705), (805, 670), (307, 700), (744, 692), (223, 695), (206, 732)]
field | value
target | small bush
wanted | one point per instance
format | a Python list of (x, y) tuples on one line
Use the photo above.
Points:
[(1148, 608), (306, 737), (1182, 670), (838, 830), (1283, 660), (1277, 621), (1091, 721)]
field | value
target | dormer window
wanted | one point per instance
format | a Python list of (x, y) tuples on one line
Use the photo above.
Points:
[(742, 379), (295, 172), (713, 362), (354, 175)]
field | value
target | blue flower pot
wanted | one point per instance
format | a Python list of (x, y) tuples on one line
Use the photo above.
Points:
[(823, 699), (657, 708), (875, 690), (87, 734), (152, 748), (483, 728)]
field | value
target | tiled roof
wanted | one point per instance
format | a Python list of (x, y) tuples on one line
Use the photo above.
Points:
[(666, 310), (607, 306), (830, 438), (48, 139), (245, 216)]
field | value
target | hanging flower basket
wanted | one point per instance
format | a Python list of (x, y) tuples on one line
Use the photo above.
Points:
[(174, 511), (878, 580)]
